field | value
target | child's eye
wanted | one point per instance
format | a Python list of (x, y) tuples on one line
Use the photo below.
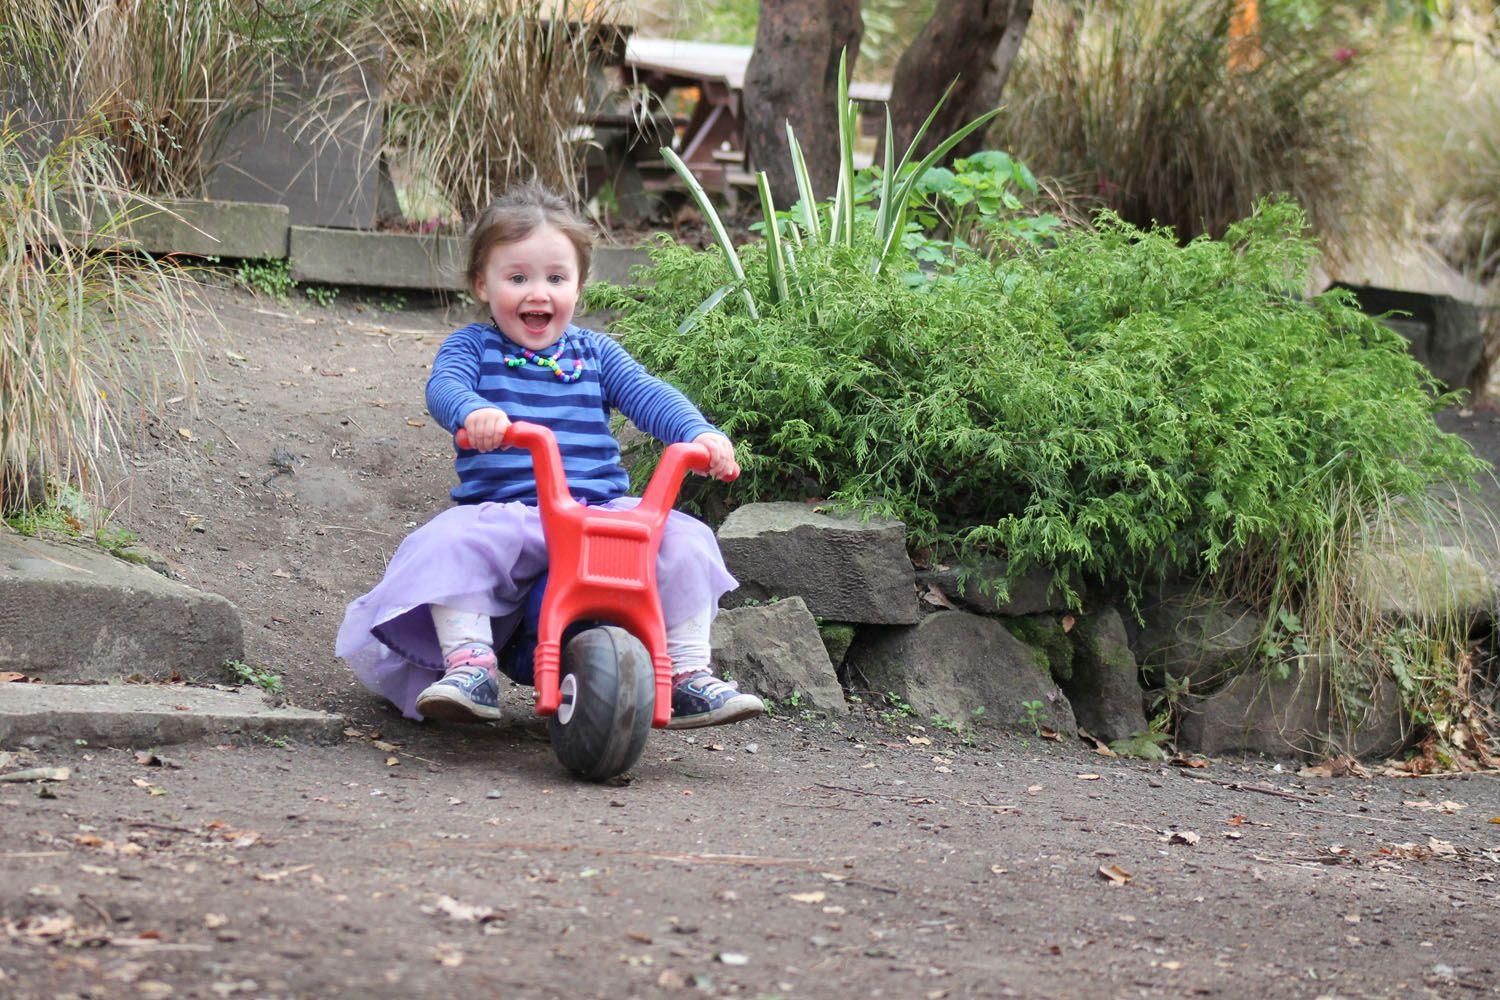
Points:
[(556, 279), (518, 279)]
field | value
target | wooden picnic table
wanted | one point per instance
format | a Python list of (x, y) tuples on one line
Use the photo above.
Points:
[(713, 139)]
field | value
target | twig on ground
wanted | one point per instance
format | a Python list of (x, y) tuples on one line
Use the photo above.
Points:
[(1262, 789)]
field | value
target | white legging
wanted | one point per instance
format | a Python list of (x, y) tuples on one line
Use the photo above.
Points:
[(687, 641)]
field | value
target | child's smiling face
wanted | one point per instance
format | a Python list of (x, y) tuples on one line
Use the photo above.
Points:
[(531, 287)]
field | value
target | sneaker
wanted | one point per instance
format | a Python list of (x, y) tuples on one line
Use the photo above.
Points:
[(702, 699), (467, 694)]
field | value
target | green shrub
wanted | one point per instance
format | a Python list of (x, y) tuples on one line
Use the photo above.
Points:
[(1117, 407)]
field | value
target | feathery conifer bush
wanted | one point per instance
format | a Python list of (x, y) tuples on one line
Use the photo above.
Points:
[(1118, 406)]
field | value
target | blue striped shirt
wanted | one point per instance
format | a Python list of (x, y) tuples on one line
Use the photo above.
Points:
[(470, 373)]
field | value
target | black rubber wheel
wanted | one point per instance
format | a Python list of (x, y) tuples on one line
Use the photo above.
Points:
[(608, 689)]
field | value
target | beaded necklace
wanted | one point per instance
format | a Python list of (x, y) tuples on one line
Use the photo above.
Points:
[(550, 362)]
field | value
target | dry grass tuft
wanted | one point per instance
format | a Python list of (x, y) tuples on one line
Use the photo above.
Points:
[(1141, 106), (86, 324)]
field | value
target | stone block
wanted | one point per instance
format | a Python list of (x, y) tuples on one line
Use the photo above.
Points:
[(1424, 582), (1193, 636), (774, 650), (149, 715), (385, 260), (846, 569), (212, 228), (1298, 715), (76, 613), (1032, 593), (954, 662), (1105, 688), (614, 264), (314, 148)]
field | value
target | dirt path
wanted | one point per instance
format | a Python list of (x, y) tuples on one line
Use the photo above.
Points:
[(787, 857)]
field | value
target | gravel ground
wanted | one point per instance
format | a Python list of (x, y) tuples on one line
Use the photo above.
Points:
[(785, 857)]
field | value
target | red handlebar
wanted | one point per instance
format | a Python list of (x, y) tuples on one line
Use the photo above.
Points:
[(524, 434)]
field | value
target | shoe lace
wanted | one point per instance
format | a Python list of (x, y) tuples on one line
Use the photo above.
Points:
[(711, 686)]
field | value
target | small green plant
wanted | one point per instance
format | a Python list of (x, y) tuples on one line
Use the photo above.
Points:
[(280, 742), (323, 295), (897, 708), (1144, 746), (1284, 641), (391, 302), (1031, 715), (947, 725), (65, 511), (795, 701), (262, 677), (268, 276)]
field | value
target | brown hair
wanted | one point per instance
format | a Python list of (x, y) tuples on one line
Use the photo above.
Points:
[(516, 215)]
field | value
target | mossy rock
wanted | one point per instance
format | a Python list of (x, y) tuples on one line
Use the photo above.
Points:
[(837, 637), (1046, 635)]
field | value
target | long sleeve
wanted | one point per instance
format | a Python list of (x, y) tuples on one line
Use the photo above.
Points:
[(656, 407), (452, 387)]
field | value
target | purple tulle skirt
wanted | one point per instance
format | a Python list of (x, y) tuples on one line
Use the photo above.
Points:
[(484, 558)]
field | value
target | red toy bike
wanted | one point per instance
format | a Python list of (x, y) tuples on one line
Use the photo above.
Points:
[(611, 682)]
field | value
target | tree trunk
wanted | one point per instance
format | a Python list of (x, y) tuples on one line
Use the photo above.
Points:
[(974, 40), (793, 76)]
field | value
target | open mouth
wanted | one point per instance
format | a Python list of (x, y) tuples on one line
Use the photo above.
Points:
[(536, 322)]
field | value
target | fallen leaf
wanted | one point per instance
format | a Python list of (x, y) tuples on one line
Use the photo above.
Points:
[(1115, 874), (278, 876), (281, 574), (1448, 808), (833, 876), (1068, 621), (935, 596), (415, 423), (38, 774), (1187, 837), (1087, 777), (1351, 918), (98, 870), (638, 937), (1235, 820), (392, 761), (1441, 848), (454, 910), (919, 741), (733, 958), (1033, 789), (383, 745), (1189, 761), (213, 921), (1495, 819), (184, 433), (1050, 734), (10, 676), (447, 955), (996, 869), (808, 897), (1342, 766)]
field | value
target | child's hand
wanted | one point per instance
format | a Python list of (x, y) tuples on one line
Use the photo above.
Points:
[(486, 427), (721, 461)]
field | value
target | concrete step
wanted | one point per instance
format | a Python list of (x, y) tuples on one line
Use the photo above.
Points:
[(150, 715), (73, 612)]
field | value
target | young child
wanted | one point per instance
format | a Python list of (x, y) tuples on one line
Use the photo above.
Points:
[(423, 637)]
